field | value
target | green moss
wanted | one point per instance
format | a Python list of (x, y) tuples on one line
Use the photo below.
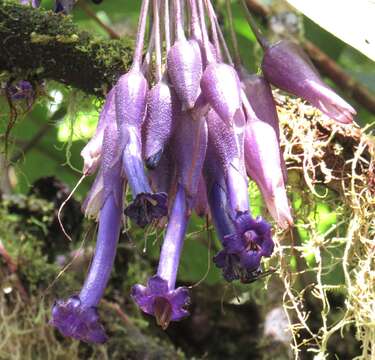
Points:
[(54, 45)]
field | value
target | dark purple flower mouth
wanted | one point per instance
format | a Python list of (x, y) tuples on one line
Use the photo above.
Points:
[(73, 320), (243, 249), (158, 300), (147, 207)]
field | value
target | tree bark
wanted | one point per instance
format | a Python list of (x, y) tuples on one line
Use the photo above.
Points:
[(37, 44)]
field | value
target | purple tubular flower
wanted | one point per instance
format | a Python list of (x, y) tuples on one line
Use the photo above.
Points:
[(244, 249), (77, 316), (245, 240), (33, 3), (184, 66), (229, 152), (161, 110), (222, 89), (286, 66), (160, 297), (264, 161), (263, 165), (131, 97), (22, 90), (64, 6), (91, 153), (259, 95), (190, 144), (146, 206)]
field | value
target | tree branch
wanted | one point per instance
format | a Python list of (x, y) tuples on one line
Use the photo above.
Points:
[(38, 44)]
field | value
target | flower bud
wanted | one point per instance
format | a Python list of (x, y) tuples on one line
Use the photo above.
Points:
[(259, 95), (286, 66), (221, 87), (158, 126), (184, 66), (263, 165)]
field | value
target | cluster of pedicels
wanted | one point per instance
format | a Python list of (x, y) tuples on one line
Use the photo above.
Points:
[(201, 125)]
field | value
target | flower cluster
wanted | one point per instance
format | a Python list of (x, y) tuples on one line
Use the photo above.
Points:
[(201, 129)]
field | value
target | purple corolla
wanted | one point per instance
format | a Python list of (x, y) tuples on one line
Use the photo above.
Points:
[(264, 161), (91, 153), (77, 316), (131, 100), (184, 64), (264, 167), (33, 3), (190, 144), (245, 240), (21, 90), (286, 66), (229, 152), (161, 111), (259, 94), (160, 297), (221, 88), (146, 206), (244, 248)]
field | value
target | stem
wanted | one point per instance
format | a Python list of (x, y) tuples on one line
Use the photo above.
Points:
[(222, 39), (194, 21), (263, 42), (112, 34), (137, 59), (158, 74), (174, 239), (179, 29), (150, 49), (167, 26), (214, 32), (237, 57), (105, 251), (209, 55)]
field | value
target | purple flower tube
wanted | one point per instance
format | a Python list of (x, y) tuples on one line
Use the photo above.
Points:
[(259, 95), (286, 66), (190, 144), (245, 240), (160, 297), (131, 91), (77, 317), (91, 153), (159, 123), (33, 3), (263, 165), (229, 149), (184, 64)]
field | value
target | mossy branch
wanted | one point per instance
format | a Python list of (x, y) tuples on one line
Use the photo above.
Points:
[(38, 44)]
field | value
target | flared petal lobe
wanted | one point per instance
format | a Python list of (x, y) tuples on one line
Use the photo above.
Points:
[(148, 298), (160, 297), (73, 320)]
